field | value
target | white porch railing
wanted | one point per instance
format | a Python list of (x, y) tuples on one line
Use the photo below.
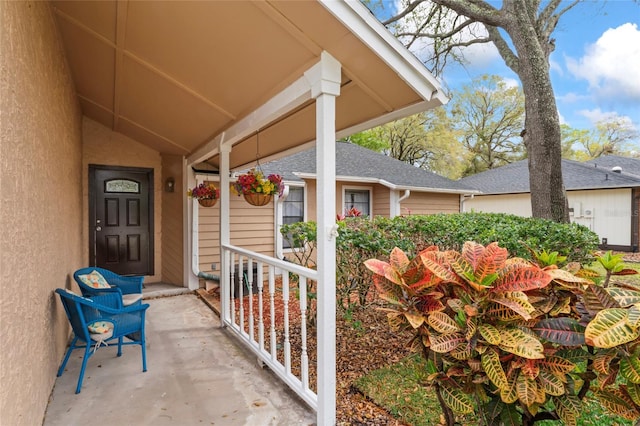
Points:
[(268, 312)]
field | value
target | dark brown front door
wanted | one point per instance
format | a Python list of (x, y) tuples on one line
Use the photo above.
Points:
[(121, 219)]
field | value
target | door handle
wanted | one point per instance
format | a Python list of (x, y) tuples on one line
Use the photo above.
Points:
[(98, 228)]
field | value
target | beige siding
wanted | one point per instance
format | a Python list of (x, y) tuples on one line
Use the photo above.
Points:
[(381, 201), (104, 147), (518, 204), (607, 212), (430, 203), (172, 222), (40, 171), (251, 228)]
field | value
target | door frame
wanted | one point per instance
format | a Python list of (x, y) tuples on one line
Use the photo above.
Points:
[(92, 209)]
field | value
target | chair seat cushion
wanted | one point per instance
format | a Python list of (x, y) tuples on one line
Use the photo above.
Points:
[(94, 279), (100, 331), (130, 299)]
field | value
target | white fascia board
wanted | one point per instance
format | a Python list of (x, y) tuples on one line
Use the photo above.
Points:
[(361, 22), (356, 179)]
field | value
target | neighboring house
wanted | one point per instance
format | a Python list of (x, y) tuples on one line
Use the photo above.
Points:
[(603, 194), (375, 184), (105, 108)]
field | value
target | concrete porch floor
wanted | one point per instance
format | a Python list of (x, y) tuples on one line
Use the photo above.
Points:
[(196, 375)]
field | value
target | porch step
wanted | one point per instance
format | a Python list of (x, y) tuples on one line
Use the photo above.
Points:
[(155, 290)]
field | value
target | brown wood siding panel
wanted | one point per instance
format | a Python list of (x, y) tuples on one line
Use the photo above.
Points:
[(430, 203), (250, 227), (381, 205)]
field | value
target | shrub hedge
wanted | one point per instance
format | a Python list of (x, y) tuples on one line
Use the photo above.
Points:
[(360, 239)]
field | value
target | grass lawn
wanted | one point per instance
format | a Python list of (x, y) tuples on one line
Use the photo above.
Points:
[(400, 389)]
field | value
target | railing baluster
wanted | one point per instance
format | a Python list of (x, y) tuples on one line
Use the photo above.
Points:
[(260, 307), (287, 343), (250, 295), (240, 292), (304, 357), (231, 291), (272, 313)]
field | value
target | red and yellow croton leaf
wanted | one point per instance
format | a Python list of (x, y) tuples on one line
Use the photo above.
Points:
[(522, 278), (564, 331), (446, 342), (526, 389), (610, 328), (517, 301), (519, 343), (630, 368), (618, 403), (398, 259), (456, 399), (551, 383), (493, 369), (568, 408), (443, 323)]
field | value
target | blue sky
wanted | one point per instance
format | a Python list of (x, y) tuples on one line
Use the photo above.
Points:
[(595, 68)]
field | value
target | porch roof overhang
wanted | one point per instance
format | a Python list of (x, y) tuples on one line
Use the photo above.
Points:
[(176, 75)]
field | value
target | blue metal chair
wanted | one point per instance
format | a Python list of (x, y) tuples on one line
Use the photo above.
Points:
[(107, 322), (129, 287)]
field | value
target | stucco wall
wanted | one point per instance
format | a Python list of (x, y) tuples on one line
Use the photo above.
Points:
[(105, 147), (172, 222), (40, 212)]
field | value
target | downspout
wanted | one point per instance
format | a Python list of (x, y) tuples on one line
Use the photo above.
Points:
[(401, 199), (195, 268), (463, 198)]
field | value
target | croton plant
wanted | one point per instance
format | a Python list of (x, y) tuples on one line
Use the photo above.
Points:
[(513, 341)]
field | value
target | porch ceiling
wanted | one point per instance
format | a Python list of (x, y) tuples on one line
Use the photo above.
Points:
[(173, 75)]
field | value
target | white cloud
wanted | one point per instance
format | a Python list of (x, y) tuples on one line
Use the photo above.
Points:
[(555, 66), (596, 115), (510, 82), (572, 97), (612, 64)]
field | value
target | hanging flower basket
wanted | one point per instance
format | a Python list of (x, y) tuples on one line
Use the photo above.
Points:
[(257, 189), (207, 202), (206, 193), (257, 199)]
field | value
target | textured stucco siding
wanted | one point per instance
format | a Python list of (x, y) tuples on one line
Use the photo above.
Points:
[(172, 222), (105, 147), (40, 211)]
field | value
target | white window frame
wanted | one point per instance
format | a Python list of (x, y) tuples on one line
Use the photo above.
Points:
[(346, 188), (280, 219)]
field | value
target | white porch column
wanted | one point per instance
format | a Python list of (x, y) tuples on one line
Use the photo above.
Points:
[(190, 279), (325, 86), (225, 234)]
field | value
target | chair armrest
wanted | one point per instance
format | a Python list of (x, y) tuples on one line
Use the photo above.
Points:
[(127, 285)]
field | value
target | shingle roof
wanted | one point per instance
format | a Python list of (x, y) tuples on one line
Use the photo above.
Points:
[(358, 163), (514, 177), (627, 164)]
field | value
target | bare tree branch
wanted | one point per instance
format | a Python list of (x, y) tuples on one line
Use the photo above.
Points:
[(410, 7), (478, 10), (510, 58)]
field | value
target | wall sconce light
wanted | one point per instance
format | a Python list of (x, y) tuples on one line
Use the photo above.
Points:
[(169, 184)]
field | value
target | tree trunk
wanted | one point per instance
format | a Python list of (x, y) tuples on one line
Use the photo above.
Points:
[(542, 125)]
